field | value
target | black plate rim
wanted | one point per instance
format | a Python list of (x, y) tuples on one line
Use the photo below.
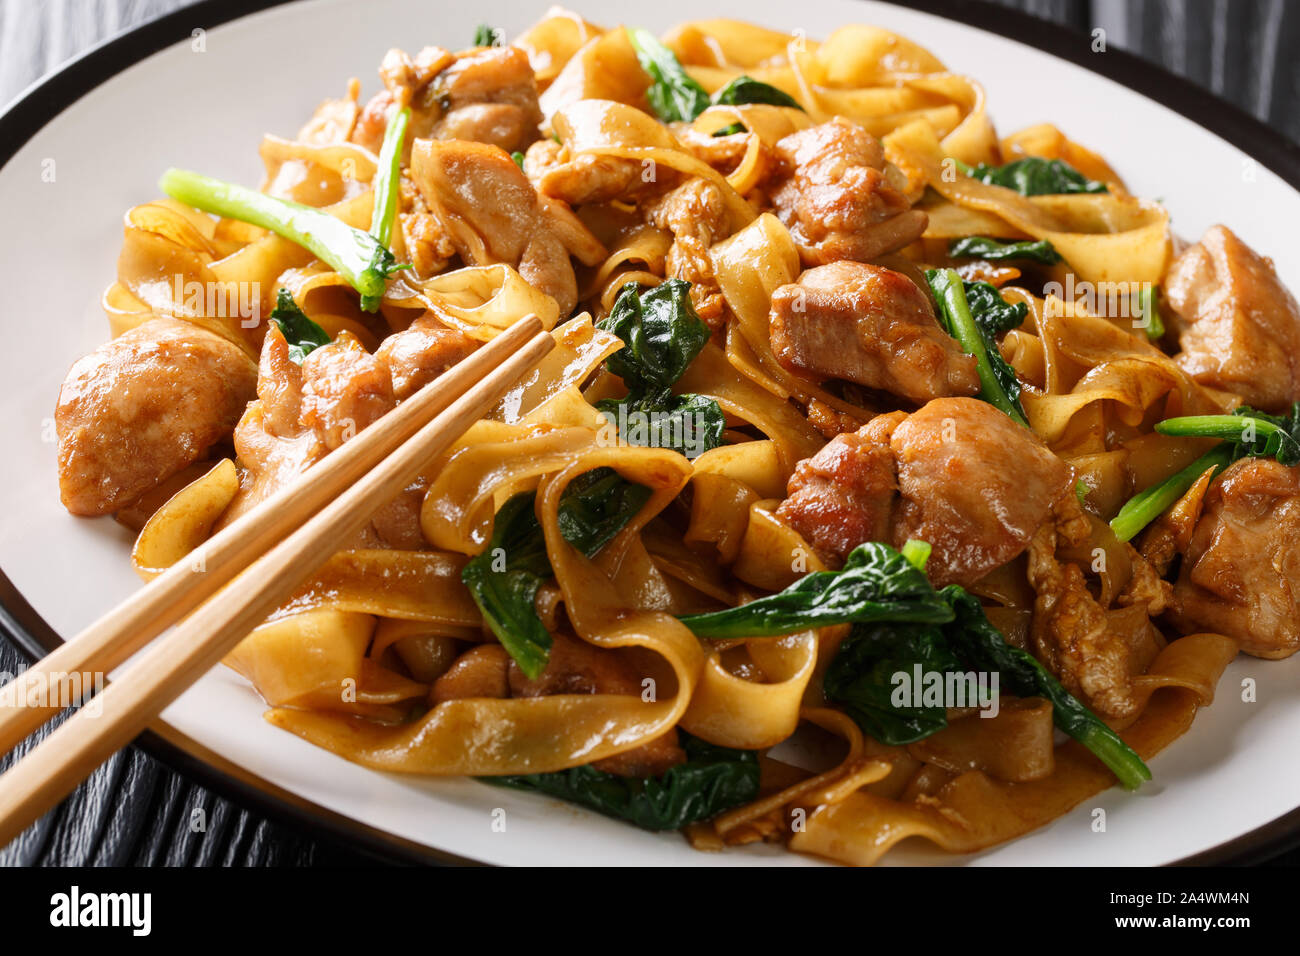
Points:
[(49, 97)]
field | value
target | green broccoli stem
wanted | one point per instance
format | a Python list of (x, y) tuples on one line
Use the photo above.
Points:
[(357, 256), (388, 178), (1154, 325), (947, 286), (916, 552), (1140, 510), (1233, 428), (1111, 750)]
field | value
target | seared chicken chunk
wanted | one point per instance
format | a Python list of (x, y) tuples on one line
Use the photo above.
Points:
[(839, 197), (974, 484), (304, 412), (696, 215), (1240, 575), (490, 213), (846, 493), (140, 408), (869, 325), (486, 95), (1071, 632), (1240, 328), (344, 389), (420, 354), (958, 474), (590, 178), (491, 97)]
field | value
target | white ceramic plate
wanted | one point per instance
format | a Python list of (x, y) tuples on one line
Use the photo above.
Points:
[(205, 106)]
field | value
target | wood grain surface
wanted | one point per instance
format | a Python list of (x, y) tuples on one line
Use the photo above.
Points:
[(136, 812)]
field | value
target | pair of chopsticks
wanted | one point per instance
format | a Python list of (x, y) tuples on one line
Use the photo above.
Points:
[(259, 560)]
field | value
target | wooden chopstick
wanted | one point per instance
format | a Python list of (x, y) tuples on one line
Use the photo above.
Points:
[(163, 672), (109, 641)]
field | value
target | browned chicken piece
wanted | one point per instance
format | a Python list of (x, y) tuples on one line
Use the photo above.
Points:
[(490, 213), (421, 353), (491, 97), (845, 494), (838, 196), (426, 245), (271, 442), (397, 523), (1071, 635), (869, 325), (974, 484), (540, 159), (486, 95), (1146, 588), (958, 474), (279, 385), (1240, 575), (696, 215), (140, 408), (304, 412), (576, 667), (1240, 327), (406, 80), (587, 178), (479, 672), (406, 76), (830, 421), (344, 389)]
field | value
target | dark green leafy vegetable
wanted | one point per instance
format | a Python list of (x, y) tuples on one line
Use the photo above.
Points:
[(974, 313), (597, 506), (687, 424), (1247, 433), (518, 157), (357, 256), (860, 679), (302, 334), (673, 95), (487, 36), (504, 579), (993, 314), (746, 89), (1035, 176), (730, 130), (388, 179), (712, 780), (662, 335), (876, 583), (991, 250), (900, 621)]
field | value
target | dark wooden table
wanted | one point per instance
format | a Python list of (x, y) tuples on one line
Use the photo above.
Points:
[(134, 810)]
